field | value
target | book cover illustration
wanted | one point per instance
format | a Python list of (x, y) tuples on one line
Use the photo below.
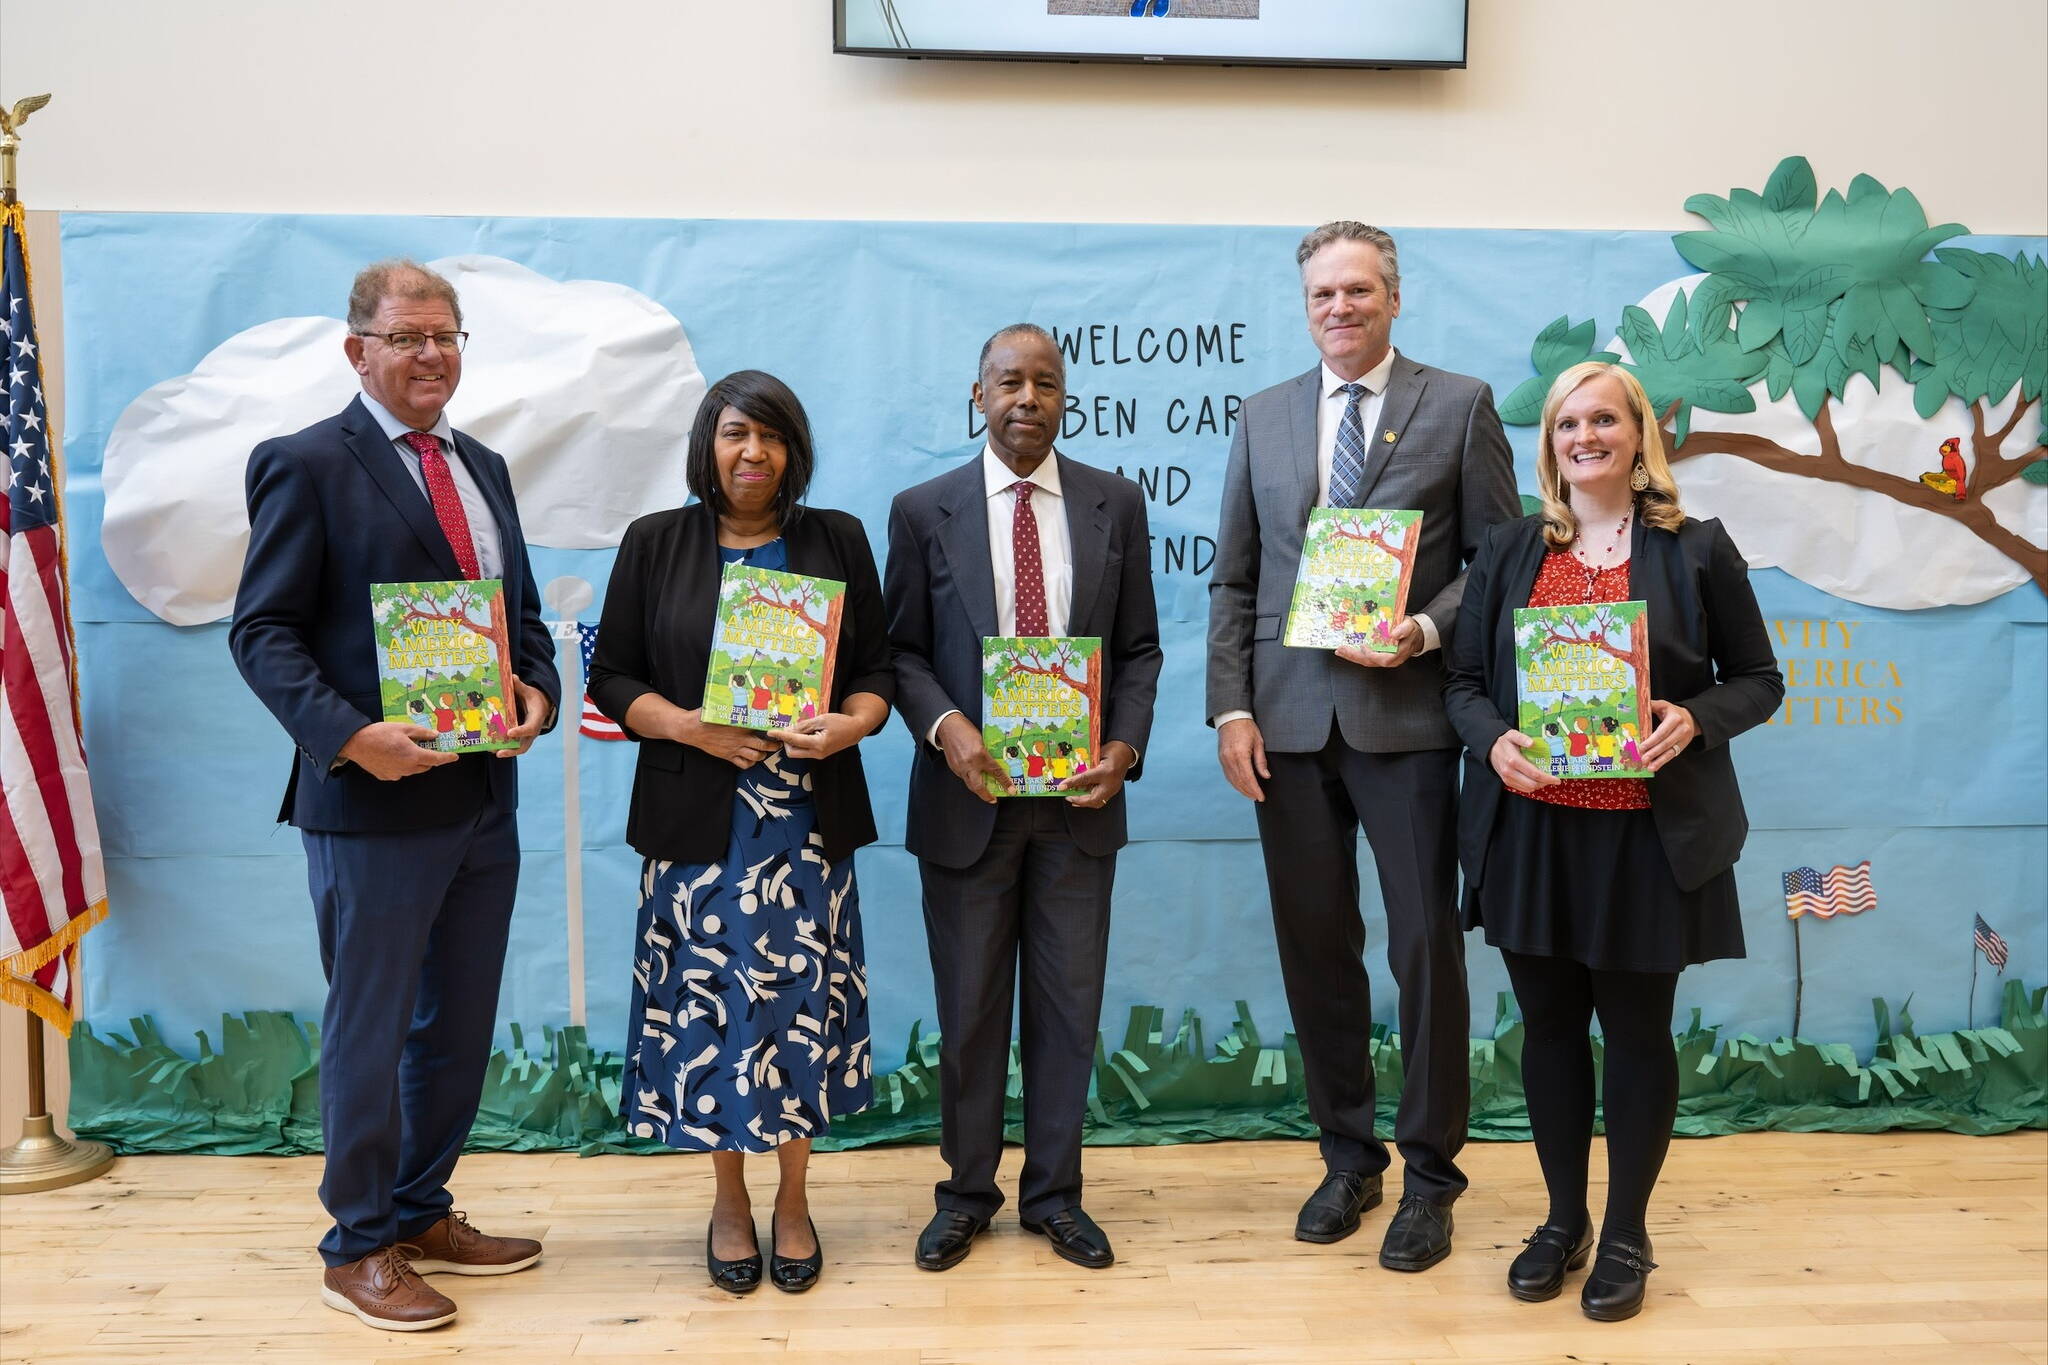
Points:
[(773, 648), (1356, 563), (1582, 680), (1041, 708), (445, 660)]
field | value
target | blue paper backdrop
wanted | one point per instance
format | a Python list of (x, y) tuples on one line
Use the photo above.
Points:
[(877, 326)]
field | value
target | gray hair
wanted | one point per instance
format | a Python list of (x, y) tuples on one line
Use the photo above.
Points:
[(1344, 230), (1029, 329), (399, 278)]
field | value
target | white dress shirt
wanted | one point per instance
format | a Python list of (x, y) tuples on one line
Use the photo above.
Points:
[(483, 527), (1329, 413)]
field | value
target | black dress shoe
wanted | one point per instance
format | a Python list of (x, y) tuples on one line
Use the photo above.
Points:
[(794, 1274), (734, 1277), (1537, 1276), (1621, 1276), (1331, 1213), (1075, 1238), (947, 1239), (1418, 1235)]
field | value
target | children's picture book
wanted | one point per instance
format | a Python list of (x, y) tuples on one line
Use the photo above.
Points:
[(1041, 708), (446, 661), (1356, 563), (1582, 678), (773, 648)]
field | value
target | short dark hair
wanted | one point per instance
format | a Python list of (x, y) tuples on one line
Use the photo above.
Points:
[(396, 279), (770, 402), (1029, 329)]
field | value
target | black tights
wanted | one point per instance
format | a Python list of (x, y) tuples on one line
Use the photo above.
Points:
[(1558, 999)]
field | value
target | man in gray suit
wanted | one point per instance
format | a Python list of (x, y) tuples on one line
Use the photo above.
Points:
[(1326, 742), (1020, 540)]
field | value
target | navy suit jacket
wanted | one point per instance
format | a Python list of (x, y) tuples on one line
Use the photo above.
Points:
[(941, 594), (332, 509)]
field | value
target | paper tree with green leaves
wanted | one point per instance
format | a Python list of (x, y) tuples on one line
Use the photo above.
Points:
[(1801, 297)]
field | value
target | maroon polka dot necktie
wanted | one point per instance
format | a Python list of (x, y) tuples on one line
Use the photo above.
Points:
[(1029, 566), (447, 502)]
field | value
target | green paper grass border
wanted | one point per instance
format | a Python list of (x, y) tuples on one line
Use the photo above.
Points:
[(259, 1093)]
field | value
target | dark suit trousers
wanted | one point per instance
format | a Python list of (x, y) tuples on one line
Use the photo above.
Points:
[(412, 938), (1308, 826), (1033, 903)]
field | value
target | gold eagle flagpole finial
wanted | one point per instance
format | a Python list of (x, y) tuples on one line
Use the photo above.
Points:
[(10, 138)]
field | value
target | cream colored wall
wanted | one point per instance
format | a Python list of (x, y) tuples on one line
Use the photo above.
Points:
[(1571, 115)]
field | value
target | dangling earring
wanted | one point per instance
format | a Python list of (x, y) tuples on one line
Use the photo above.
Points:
[(1640, 478)]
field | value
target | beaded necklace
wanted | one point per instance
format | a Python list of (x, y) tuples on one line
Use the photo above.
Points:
[(1593, 574)]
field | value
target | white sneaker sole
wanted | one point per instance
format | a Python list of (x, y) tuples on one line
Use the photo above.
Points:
[(466, 1268), (341, 1304)]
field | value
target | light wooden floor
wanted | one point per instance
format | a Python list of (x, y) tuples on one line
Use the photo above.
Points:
[(1904, 1247)]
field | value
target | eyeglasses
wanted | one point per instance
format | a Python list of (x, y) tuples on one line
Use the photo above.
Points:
[(412, 343)]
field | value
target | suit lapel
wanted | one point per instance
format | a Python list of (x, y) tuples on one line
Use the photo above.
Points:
[(1301, 419), (1088, 535), (1404, 390), (365, 440), (963, 539)]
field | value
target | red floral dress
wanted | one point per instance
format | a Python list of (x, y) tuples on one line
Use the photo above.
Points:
[(1561, 582)]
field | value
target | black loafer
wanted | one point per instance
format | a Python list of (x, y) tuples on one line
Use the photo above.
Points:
[(1621, 1277), (1537, 1276), (1418, 1236), (795, 1274), (1331, 1213), (734, 1277), (1075, 1238), (947, 1239)]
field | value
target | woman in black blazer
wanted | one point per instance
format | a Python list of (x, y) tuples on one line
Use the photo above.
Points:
[(748, 1029), (1598, 893)]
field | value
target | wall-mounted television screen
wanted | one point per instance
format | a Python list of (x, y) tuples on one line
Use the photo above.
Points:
[(1376, 33)]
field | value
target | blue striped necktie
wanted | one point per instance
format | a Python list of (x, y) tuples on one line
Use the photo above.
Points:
[(1347, 460)]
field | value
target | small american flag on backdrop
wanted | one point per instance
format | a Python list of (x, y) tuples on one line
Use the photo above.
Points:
[(1991, 945), (595, 723), (1838, 891)]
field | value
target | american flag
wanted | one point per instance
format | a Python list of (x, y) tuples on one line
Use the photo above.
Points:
[(595, 723), (1991, 945), (1840, 891), (51, 877)]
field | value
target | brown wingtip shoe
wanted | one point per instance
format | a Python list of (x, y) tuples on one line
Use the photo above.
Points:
[(454, 1247), (384, 1291)]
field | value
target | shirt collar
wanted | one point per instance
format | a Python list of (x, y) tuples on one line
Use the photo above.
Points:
[(997, 477), (395, 430), (1374, 379)]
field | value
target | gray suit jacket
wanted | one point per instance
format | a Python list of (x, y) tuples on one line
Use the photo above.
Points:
[(941, 595), (1449, 460)]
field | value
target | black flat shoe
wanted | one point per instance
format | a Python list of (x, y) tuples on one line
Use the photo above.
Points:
[(947, 1239), (1621, 1277), (734, 1277), (794, 1274), (1075, 1238), (1418, 1235), (1331, 1213), (1537, 1276)]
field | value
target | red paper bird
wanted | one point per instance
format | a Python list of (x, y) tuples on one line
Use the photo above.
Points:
[(1953, 478)]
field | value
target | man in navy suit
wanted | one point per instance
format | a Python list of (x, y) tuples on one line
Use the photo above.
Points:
[(1020, 540), (412, 853)]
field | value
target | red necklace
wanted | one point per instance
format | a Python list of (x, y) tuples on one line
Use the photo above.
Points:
[(1593, 574)]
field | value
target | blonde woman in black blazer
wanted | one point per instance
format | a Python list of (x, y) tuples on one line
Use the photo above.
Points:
[(748, 1029), (1599, 893)]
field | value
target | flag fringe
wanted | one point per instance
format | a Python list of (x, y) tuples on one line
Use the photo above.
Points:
[(17, 973)]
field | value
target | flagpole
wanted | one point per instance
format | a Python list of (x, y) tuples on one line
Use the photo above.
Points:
[(1798, 978), (1973, 981), (42, 1159)]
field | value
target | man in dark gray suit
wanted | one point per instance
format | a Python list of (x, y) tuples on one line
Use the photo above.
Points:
[(1326, 742), (1020, 540)]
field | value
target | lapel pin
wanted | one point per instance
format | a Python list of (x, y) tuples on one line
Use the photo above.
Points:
[(1391, 436)]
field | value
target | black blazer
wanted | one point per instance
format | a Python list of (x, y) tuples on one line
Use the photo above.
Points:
[(331, 511), (655, 636), (1709, 652)]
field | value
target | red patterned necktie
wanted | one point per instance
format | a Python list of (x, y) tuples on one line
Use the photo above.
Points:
[(447, 502), (1030, 567)]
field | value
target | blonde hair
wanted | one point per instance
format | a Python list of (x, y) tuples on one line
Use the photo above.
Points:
[(1657, 504)]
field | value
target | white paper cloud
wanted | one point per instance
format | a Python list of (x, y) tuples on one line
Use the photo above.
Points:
[(1847, 541), (587, 389)]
